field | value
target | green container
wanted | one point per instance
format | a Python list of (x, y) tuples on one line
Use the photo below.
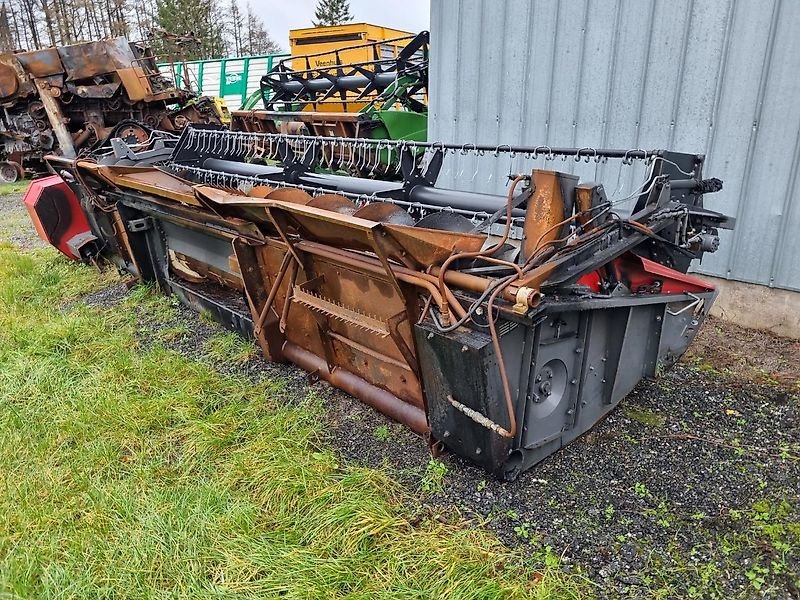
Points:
[(234, 79)]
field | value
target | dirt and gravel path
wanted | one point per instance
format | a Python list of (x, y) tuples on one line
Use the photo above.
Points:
[(15, 225), (689, 489)]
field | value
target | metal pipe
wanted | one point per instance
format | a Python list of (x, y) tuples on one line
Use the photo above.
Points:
[(348, 83), (353, 185), (543, 150), (475, 284), (233, 179), (421, 194), (386, 402), (473, 201), (243, 168), (373, 265), (272, 293)]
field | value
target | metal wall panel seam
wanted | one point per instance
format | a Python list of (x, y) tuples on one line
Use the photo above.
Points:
[(526, 77), (552, 76), (676, 99), (792, 182), (502, 12), (502, 135), (723, 62), (711, 136), (610, 85), (477, 89), (642, 88), (751, 144), (581, 55)]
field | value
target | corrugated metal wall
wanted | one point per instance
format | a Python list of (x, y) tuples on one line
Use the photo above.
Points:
[(720, 77)]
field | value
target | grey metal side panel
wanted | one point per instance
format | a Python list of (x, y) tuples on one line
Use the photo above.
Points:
[(712, 76)]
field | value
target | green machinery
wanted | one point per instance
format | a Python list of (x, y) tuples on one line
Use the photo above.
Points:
[(384, 98)]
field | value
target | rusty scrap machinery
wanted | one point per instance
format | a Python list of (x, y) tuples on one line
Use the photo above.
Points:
[(499, 327), (61, 100)]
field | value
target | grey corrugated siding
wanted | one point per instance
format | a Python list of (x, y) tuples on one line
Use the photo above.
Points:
[(721, 77)]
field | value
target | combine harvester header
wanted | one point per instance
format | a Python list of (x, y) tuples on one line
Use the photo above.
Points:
[(499, 327)]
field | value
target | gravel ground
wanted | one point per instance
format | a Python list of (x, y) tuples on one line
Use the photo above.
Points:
[(690, 489), (15, 224)]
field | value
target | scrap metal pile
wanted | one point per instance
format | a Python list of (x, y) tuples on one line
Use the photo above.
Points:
[(62, 100), (500, 327)]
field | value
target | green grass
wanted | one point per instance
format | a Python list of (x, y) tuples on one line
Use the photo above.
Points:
[(230, 347), (14, 188), (134, 472), (645, 417)]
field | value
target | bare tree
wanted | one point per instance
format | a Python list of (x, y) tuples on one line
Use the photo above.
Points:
[(258, 38), (236, 28), (182, 29)]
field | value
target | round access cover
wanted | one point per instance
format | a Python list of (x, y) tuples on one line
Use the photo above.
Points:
[(548, 389)]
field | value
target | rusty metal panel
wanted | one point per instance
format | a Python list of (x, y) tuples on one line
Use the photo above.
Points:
[(715, 76), (9, 81), (135, 83), (96, 58), (41, 63)]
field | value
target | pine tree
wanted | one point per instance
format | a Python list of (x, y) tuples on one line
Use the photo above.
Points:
[(332, 12), (189, 29), (6, 37)]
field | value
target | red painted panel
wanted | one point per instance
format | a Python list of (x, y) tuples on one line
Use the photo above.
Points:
[(56, 212)]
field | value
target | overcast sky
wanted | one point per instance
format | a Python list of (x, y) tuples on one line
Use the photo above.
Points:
[(282, 15)]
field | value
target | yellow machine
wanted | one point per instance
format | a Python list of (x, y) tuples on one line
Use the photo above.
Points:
[(316, 47), (222, 110)]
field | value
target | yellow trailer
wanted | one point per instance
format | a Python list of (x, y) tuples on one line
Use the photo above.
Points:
[(315, 47)]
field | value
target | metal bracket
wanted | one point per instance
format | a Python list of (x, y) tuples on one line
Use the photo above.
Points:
[(697, 302), (137, 225)]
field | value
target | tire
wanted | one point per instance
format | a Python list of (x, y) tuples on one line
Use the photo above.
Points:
[(8, 172)]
